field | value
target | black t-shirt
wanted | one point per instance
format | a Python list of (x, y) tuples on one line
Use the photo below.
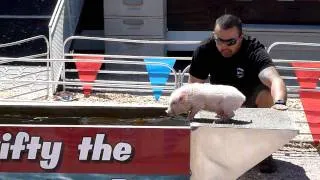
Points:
[(241, 70)]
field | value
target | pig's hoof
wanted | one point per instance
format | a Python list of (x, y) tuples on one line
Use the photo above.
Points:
[(218, 116), (189, 119), (221, 117)]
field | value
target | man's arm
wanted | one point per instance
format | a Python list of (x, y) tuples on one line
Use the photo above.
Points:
[(193, 79), (271, 78)]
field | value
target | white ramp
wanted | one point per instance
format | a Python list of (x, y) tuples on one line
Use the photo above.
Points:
[(227, 150)]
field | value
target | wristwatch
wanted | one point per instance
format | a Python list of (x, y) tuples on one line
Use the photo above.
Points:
[(280, 101)]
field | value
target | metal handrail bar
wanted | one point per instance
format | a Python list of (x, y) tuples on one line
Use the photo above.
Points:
[(27, 40), (292, 61), (126, 90), (36, 55), (58, 82), (129, 40), (292, 43), (297, 89), (294, 77), (283, 77), (118, 82), (53, 21), (297, 68), (75, 60), (185, 70), (113, 72), (137, 87), (123, 56)]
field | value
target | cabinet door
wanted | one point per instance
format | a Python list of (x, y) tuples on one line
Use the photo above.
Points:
[(134, 8), (134, 26)]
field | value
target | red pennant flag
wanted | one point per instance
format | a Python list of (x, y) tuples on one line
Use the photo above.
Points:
[(88, 71), (310, 100)]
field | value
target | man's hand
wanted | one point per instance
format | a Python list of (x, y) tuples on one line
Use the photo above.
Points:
[(271, 78), (280, 107)]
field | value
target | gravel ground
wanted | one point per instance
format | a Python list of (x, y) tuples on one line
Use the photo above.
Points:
[(295, 161), (122, 98)]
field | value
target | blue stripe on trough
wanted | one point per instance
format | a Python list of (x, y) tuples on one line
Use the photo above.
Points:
[(158, 74)]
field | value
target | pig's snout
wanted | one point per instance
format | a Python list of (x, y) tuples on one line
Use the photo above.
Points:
[(169, 112)]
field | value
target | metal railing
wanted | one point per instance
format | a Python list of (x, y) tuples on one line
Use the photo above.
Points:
[(128, 84), (291, 44), (122, 86), (128, 60), (34, 38), (295, 88), (62, 25), (22, 82), (290, 68), (25, 71)]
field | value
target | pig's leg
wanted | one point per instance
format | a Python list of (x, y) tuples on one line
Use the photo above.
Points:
[(228, 115), (228, 108), (219, 113), (225, 115), (192, 113)]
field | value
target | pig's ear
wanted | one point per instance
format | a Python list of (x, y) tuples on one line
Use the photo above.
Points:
[(182, 97)]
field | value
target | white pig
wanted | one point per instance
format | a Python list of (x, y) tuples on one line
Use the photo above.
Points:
[(191, 98)]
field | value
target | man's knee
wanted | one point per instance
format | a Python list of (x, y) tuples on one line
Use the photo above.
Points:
[(264, 99)]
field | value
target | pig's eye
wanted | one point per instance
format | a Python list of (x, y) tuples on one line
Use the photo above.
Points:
[(174, 102)]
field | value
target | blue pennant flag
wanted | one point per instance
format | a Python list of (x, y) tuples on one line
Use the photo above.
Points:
[(158, 74)]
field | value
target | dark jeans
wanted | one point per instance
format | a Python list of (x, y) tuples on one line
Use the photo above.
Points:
[(251, 99)]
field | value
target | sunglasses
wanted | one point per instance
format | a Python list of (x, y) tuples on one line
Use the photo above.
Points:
[(228, 42)]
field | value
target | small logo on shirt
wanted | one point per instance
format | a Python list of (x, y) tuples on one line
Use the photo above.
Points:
[(240, 72)]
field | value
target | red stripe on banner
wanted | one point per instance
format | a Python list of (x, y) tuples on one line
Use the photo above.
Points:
[(121, 151), (88, 71), (310, 100)]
